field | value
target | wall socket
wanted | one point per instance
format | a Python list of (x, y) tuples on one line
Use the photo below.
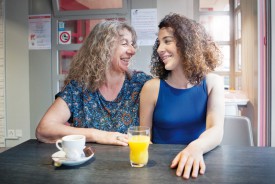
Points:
[(18, 133), (11, 133), (15, 133)]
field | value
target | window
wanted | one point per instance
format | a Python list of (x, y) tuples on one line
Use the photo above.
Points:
[(222, 19), (78, 7), (74, 5)]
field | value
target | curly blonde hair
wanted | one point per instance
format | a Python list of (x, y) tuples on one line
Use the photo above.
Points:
[(200, 53), (89, 65)]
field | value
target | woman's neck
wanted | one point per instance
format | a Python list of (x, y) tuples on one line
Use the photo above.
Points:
[(177, 79), (111, 88)]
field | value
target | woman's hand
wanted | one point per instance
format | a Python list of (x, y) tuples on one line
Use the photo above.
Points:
[(189, 162), (114, 138)]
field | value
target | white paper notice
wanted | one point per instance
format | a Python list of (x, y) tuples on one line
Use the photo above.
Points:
[(145, 23), (40, 32)]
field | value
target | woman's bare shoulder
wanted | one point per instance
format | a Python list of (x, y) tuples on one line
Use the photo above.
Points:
[(152, 83), (213, 78), (214, 81)]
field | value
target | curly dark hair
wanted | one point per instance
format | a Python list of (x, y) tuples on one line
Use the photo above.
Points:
[(200, 53), (89, 65)]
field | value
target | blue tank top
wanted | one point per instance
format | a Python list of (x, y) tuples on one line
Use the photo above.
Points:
[(180, 114)]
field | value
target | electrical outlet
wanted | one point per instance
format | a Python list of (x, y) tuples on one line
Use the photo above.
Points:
[(18, 133), (11, 133)]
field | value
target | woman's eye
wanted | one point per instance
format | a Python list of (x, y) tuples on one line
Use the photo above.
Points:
[(168, 41)]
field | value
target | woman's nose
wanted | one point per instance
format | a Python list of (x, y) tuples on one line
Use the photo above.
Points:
[(160, 48), (131, 49)]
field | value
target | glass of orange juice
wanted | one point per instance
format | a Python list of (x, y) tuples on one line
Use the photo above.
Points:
[(139, 139)]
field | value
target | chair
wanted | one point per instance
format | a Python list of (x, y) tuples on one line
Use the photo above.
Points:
[(237, 131)]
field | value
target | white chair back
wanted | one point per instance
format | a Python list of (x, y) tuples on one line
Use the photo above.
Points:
[(237, 131)]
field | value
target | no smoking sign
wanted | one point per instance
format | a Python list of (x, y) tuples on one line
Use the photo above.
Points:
[(64, 37)]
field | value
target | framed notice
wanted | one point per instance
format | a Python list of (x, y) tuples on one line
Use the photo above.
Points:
[(40, 32)]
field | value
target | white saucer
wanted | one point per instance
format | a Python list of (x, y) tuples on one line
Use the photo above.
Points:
[(60, 157)]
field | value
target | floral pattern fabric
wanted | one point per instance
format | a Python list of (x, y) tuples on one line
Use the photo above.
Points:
[(91, 110)]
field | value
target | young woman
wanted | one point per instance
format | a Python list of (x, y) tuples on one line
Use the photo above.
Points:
[(185, 103), (100, 98)]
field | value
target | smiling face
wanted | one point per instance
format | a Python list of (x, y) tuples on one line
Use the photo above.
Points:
[(167, 49), (124, 51)]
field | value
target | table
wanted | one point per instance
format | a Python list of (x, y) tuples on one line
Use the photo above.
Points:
[(235, 101), (30, 162)]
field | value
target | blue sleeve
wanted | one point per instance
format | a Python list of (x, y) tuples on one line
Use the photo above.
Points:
[(69, 94), (140, 77)]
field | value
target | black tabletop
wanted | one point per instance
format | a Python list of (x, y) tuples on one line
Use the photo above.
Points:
[(31, 162)]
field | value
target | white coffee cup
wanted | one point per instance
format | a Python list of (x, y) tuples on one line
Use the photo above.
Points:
[(72, 145)]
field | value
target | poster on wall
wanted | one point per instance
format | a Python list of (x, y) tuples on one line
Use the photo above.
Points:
[(145, 23), (40, 32)]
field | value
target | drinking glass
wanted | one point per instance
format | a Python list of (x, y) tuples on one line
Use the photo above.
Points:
[(139, 140)]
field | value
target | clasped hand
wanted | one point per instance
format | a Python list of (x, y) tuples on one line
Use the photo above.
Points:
[(114, 138)]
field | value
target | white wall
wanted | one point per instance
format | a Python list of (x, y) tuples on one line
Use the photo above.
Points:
[(17, 68), (40, 72)]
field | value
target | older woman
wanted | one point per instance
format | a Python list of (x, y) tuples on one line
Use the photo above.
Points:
[(100, 98), (185, 104)]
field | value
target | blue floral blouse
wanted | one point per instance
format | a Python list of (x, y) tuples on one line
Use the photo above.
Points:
[(91, 110)]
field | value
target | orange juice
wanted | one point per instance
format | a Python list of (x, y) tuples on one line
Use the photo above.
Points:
[(139, 150)]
